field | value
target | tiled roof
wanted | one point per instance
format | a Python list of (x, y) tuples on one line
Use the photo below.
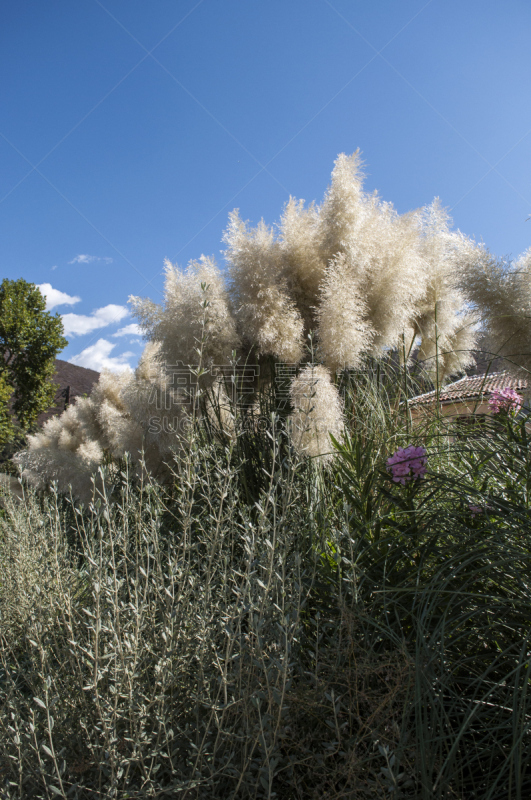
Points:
[(472, 386), (79, 379)]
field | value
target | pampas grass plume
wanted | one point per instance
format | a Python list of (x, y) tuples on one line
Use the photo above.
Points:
[(317, 412)]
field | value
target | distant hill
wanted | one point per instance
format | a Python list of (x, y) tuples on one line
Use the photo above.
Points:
[(76, 380)]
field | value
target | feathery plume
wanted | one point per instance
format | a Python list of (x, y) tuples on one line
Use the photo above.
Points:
[(343, 204), (195, 325), (344, 334), (66, 451), (302, 258), (500, 291), (448, 332), (266, 316), (317, 412)]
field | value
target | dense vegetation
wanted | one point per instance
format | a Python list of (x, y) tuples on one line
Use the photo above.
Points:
[(296, 593), (271, 625)]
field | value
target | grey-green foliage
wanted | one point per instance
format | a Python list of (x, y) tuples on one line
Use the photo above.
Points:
[(177, 647), (273, 628)]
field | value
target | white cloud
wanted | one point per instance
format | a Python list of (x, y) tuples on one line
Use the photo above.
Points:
[(78, 324), (82, 259), (56, 298), (86, 259), (54, 267), (129, 330), (98, 357)]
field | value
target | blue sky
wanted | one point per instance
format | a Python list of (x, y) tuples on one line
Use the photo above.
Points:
[(129, 130)]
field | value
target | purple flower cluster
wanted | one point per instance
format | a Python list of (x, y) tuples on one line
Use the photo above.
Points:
[(407, 463), (506, 400), (475, 510)]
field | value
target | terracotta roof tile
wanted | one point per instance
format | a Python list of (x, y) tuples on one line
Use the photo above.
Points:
[(472, 386)]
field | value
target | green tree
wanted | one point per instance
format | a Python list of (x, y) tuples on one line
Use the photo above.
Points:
[(7, 430), (30, 338)]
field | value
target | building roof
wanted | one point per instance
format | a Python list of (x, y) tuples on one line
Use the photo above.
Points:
[(79, 379), (471, 387)]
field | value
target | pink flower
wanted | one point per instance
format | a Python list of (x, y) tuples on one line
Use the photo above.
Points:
[(505, 400), (475, 510), (407, 463)]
